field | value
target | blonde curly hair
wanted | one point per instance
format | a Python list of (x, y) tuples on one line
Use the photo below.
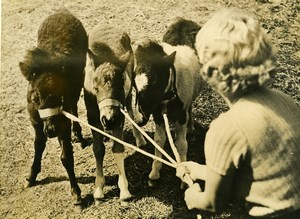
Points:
[(236, 54)]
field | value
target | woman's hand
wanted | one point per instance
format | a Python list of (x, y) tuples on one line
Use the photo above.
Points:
[(195, 170), (192, 196)]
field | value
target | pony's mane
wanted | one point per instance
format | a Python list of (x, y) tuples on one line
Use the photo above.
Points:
[(40, 61), (103, 53)]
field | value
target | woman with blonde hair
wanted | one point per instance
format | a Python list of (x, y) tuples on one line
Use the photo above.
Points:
[(252, 151)]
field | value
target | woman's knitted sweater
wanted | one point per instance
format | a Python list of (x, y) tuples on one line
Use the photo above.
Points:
[(258, 140)]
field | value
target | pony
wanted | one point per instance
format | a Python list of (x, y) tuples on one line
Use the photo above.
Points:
[(182, 32), (107, 89), (167, 80), (54, 70)]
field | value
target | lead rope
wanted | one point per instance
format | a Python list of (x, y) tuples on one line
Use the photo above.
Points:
[(186, 178), (74, 118), (149, 138)]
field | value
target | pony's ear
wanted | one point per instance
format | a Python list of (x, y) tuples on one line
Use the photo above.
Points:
[(169, 59), (26, 70), (90, 59)]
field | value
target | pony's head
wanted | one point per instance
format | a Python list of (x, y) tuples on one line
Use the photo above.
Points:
[(45, 91), (152, 78), (108, 86)]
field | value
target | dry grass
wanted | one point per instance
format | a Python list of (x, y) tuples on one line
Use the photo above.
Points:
[(141, 19)]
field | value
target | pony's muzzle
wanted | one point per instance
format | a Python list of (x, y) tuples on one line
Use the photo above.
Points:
[(49, 117), (110, 114), (49, 128), (110, 117)]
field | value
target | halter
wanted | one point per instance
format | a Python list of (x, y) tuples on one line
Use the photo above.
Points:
[(110, 102), (48, 112), (171, 90)]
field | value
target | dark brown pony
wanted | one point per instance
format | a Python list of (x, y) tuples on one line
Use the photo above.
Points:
[(54, 70), (182, 32)]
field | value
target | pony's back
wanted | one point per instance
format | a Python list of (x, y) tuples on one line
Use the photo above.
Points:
[(187, 68)]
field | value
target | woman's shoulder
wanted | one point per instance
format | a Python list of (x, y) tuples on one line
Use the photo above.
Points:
[(265, 100)]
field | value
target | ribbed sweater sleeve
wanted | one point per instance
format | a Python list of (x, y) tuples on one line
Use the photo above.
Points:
[(225, 146)]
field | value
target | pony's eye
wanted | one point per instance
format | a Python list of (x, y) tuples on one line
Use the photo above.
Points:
[(35, 99), (210, 71), (96, 89)]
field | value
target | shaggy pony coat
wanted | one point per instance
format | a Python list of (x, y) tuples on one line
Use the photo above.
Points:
[(54, 70)]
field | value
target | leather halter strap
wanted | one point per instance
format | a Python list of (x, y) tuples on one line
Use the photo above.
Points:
[(48, 112), (171, 90), (109, 102)]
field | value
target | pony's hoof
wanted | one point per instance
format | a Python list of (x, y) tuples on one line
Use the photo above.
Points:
[(125, 196), (84, 143), (78, 201), (124, 204), (98, 194), (29, 183), (98, 201)]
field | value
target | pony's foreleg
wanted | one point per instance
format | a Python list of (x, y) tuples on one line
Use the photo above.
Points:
[(181, 143), (99, 151), (67, 158), (93, 116), (140, 140), (39, 147), (118, 151), (160, 139)]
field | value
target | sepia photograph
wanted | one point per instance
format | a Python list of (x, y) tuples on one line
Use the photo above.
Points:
[(175, 109)]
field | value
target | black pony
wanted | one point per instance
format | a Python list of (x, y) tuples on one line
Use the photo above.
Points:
[(54, 70)]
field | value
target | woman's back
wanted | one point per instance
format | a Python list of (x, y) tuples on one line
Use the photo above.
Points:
[(266, 154)]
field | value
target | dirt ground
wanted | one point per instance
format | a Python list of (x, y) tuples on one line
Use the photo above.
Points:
[(142, 19)]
